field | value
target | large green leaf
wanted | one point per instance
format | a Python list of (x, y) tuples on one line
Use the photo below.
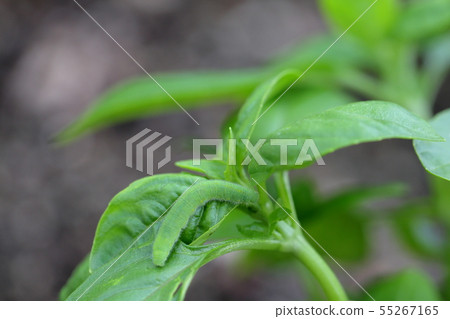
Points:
[(407, 285), (133, 212), (189, 204), (297, 104), (374, 24), (435, 157), (259, 100), (121, 262), (143, 97), (340, 127), (422, 19), (78, 276), (135, 277)]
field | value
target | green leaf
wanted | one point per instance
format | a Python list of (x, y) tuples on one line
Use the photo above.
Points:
[(306, 198), (419, 230), (345, 53), (135, 277), (258, 100), (340, 127), (228, 228), (78, 276), (446, 285), (297, 104), (133, 211), (435, 157), (141, 97), (196, 196), (214, 169), (358, 196), (265, 228), (277, 215), (423, 19), (254, 107), (205, 222), (436, 63), (121, 258), (254, 230), (407, 285), (440, 189), (374, 24), (335, 221), (341, 233)]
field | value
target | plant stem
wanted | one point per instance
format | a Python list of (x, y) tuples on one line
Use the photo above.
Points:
[(319, 268), (285, 193), (300, 247)]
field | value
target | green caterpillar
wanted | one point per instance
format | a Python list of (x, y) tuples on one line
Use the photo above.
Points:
[(197, 195)]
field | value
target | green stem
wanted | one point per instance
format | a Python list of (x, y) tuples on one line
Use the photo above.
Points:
[(319, 268), (285, 193), (301, 248), (265, 202), (243, 244)]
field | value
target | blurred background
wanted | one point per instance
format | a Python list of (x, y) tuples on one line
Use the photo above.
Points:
[(54, 61)]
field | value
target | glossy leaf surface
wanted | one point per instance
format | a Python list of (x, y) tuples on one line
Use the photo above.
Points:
[(340, 127), (435, 157)]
